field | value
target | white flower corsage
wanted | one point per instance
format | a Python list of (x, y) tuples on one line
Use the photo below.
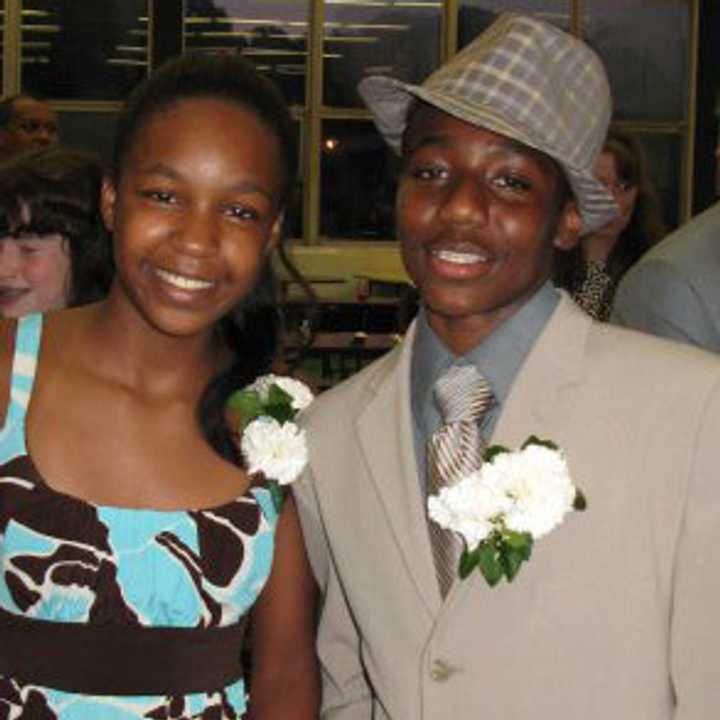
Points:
[(502, 508), (270, 442)]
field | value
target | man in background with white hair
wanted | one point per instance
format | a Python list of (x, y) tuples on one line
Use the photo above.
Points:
[(460, 578)]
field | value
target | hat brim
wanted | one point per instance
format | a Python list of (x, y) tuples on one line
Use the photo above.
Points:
[(389, 101)]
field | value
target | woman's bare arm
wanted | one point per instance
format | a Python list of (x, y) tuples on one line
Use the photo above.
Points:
[(285, 678)]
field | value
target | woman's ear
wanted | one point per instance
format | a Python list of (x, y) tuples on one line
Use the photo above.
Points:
[(569, 227), (276, 232), (108, 198)]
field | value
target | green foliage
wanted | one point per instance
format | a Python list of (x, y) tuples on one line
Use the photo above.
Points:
[(492, 451), (500, 555), (248, 406), (535, 440), (277, 492)]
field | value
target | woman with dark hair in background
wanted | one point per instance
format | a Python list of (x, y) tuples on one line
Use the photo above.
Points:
[(134, 542), (54, 250), (592, 271)]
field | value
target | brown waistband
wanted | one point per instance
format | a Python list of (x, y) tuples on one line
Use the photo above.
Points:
[(117, 659)]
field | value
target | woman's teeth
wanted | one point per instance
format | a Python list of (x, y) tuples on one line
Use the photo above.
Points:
[(183, 282)]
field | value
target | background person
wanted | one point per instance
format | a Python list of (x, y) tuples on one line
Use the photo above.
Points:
[(592, 270), (26, 123), (673, 291), (614, 614), (54, 250), (134, 544)]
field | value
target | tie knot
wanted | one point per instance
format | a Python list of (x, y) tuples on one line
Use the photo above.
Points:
[(462, 393)]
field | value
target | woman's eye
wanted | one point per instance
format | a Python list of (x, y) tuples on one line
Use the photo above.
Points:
[(240, 212), (428, 173), (30, 248)]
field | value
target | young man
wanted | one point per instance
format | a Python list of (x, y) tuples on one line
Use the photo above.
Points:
[(613, 616)]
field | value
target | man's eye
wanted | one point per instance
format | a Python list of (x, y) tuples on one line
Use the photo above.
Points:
[(512, 182), (161, 196)]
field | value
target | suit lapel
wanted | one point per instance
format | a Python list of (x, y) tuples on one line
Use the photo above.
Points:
[(539, 403), (385, 432), (538, 399)]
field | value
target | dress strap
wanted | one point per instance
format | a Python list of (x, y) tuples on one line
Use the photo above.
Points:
[(27, 345)]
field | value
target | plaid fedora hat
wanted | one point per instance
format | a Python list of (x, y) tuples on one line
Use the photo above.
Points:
[(527, 80)]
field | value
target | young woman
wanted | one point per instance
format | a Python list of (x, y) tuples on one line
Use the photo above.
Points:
[(54, 252), (592, 271), (133, 543)]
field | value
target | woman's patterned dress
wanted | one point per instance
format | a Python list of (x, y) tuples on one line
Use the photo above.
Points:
[(64, 560)]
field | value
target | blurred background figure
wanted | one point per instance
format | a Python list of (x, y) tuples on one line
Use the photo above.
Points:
[(54, 252), (674, 291), (592, 271), (26, 123)]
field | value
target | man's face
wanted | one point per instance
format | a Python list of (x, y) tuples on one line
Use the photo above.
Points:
[(477, 220), (33, 125)]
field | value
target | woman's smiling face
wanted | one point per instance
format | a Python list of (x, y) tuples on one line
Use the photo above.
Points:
[(194, 213), (478, 220), (34, 274)]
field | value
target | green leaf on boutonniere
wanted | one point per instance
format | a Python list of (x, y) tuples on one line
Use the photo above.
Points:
[(469, 560), (580, 501), (246, 405), (489, 563), (535, 440), (520, 541), (515, 549), (492, 451), (277, 493), (279, 405)]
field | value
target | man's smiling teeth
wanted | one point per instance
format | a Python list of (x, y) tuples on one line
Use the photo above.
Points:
[(182, 282), (461, 258)]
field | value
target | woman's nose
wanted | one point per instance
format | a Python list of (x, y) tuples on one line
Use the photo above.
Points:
[(199, 232)]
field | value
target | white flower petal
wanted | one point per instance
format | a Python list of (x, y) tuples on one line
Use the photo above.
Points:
[(278, 451), (299, 392)]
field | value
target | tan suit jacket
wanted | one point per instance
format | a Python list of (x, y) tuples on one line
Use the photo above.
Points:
[(615, 616)]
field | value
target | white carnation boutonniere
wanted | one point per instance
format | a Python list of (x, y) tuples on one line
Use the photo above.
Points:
[(270, 441), (499, 510)]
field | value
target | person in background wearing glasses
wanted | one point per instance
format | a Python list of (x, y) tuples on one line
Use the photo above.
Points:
[(26, 123), (592, 270)]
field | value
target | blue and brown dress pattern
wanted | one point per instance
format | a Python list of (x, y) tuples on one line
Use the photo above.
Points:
[(64, 560)]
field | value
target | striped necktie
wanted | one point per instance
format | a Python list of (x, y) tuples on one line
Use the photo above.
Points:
[(454, 450)]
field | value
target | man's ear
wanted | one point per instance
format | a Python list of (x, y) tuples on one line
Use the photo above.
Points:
[(569, 227), (108, 198)]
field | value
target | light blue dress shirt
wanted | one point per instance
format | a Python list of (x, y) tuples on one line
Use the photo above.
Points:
[(498, 358)]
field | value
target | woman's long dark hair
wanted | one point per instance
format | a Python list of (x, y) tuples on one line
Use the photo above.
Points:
[(56, 190), (251, 329)]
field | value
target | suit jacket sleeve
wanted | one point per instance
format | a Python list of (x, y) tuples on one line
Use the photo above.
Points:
[(657, 298), (695, 629), (346, 693)]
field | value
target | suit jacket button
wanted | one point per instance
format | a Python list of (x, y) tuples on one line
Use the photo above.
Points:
[(440, 671)]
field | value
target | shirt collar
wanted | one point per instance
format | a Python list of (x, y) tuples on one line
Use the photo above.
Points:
[(499, 357)]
